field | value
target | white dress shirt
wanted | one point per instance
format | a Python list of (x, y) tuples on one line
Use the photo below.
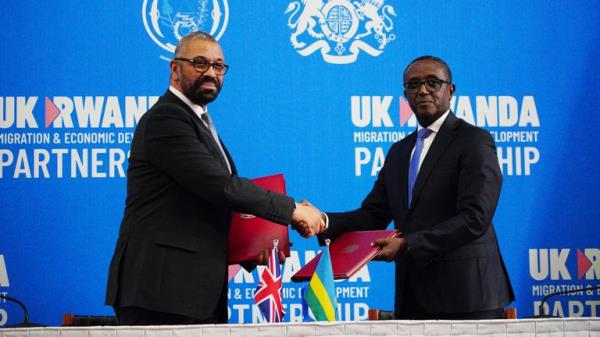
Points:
[(434, 127)]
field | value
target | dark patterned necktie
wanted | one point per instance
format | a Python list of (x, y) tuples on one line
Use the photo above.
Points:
[(213, 131)]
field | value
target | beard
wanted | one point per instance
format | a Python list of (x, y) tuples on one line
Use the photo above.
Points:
[(201, 96)]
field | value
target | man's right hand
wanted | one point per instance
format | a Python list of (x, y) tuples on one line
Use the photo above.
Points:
[(307, 220)]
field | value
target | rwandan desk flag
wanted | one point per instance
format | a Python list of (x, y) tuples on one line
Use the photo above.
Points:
[(268, 292), (320, 294)]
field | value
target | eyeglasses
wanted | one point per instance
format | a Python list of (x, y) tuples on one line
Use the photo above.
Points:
[(202, 66), (432, 84)]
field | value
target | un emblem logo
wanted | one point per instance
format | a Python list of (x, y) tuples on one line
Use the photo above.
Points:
[(168, 21), (340, 29)]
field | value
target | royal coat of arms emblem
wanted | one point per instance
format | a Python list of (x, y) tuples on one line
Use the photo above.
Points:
[(340, 29)]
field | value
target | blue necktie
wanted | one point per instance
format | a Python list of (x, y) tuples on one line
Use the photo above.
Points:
[(413, 169)]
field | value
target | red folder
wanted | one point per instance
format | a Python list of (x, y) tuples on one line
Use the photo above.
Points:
[(249, 235), (350, 252)]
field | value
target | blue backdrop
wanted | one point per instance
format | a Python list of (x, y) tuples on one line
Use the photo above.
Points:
[(321, 107)]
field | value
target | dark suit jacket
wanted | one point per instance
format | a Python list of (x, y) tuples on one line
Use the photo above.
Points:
[(453, 264), (171, 255)]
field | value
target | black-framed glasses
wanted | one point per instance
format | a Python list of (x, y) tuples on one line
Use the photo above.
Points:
[(432, 84), (203, 66)]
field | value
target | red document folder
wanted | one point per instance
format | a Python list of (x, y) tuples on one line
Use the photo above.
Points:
[(350, 252), (249, 235)]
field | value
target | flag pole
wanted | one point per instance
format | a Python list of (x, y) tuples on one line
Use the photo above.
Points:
[(268, 292), (320, 294)]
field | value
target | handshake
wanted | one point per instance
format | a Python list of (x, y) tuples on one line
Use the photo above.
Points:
[(308, 220)]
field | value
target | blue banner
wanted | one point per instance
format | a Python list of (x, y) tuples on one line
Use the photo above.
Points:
[(314, 92)]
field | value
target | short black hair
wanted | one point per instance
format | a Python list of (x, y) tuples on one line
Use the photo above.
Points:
[(192, 36), (432, 58)]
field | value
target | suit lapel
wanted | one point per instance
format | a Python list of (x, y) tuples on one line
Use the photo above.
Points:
[(444, 137), (171, 98), (404, 161), (212, 145)]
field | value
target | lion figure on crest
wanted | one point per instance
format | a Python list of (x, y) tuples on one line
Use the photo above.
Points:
[(376, 22), (306, 21)]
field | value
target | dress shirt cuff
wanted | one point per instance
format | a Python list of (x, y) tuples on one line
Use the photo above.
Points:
[(324, 215)]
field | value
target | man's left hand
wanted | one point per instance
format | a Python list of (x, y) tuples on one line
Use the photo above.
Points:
[(390, 248), (263, 257)]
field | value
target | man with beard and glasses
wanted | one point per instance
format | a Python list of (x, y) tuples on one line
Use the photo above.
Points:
[(170, 260)]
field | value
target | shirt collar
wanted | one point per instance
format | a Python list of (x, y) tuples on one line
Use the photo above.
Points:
[(195, 107), (435, 126)]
